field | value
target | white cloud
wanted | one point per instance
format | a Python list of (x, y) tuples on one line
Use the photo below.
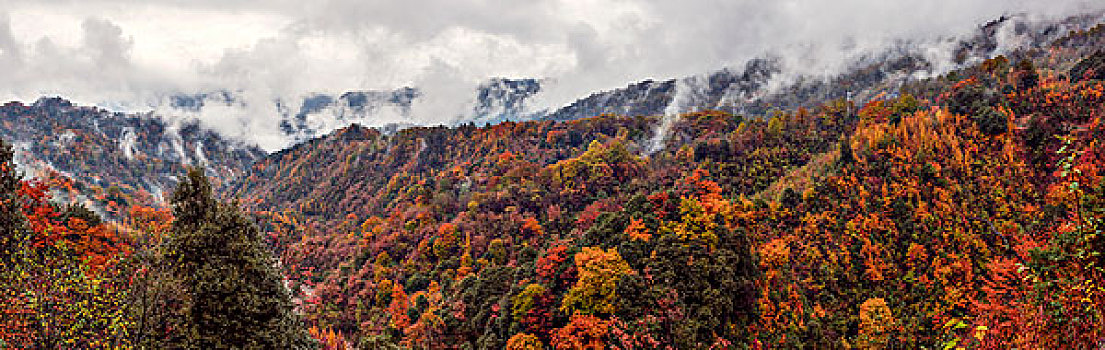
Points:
[(134, 52)]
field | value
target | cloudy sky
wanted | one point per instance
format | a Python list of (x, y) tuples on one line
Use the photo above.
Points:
[(133, 52)]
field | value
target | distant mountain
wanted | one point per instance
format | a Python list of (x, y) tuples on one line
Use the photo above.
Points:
[(651, 97), (494, 101), (502, 99), (762, 84), (320, 112), (755, 88), (642, 98), (196, 102), (114, 160)]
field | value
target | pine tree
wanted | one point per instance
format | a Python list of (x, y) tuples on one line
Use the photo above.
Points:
[(12, 222), (237, 298)]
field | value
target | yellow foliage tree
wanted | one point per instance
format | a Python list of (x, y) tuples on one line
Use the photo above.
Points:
[(595, 290)]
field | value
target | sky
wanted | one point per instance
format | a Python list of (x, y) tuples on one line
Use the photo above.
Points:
[(130, 54)]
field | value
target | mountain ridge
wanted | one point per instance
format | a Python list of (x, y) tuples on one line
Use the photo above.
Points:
[(115, 160)]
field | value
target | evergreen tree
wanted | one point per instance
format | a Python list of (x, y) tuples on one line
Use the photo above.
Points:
[(846, 156), (237, 298), (12, 222)]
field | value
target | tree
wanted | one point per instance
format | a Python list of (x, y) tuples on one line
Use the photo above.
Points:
[(595, 291), (524, 341), (846, 156), (876, 324), (155, 295), (582, 332), (55, 290), (12, 221), (236, 296), (1025, 75)]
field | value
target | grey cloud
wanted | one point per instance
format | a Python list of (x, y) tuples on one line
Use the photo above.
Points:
[(10, 52), (99, 65), (105, 43)]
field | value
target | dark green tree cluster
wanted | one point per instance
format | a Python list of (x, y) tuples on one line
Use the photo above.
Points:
[(235, 297)]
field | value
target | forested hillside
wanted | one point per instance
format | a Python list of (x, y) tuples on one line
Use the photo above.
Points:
[(963, 211), (112, 161)]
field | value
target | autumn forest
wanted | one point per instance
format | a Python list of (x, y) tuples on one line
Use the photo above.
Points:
[(960, 211)]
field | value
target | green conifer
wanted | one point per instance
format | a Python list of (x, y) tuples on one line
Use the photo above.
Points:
[(237, 298)]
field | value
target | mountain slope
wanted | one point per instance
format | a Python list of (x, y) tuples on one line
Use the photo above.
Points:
[(492, 101), (768, 82), (358, 196), (113, 160), (965, 210), (962, 217)]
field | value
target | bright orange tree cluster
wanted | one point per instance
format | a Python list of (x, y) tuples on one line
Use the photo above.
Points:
[(965, 233)]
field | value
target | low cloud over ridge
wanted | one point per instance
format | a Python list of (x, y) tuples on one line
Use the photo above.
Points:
[(130, 54)]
